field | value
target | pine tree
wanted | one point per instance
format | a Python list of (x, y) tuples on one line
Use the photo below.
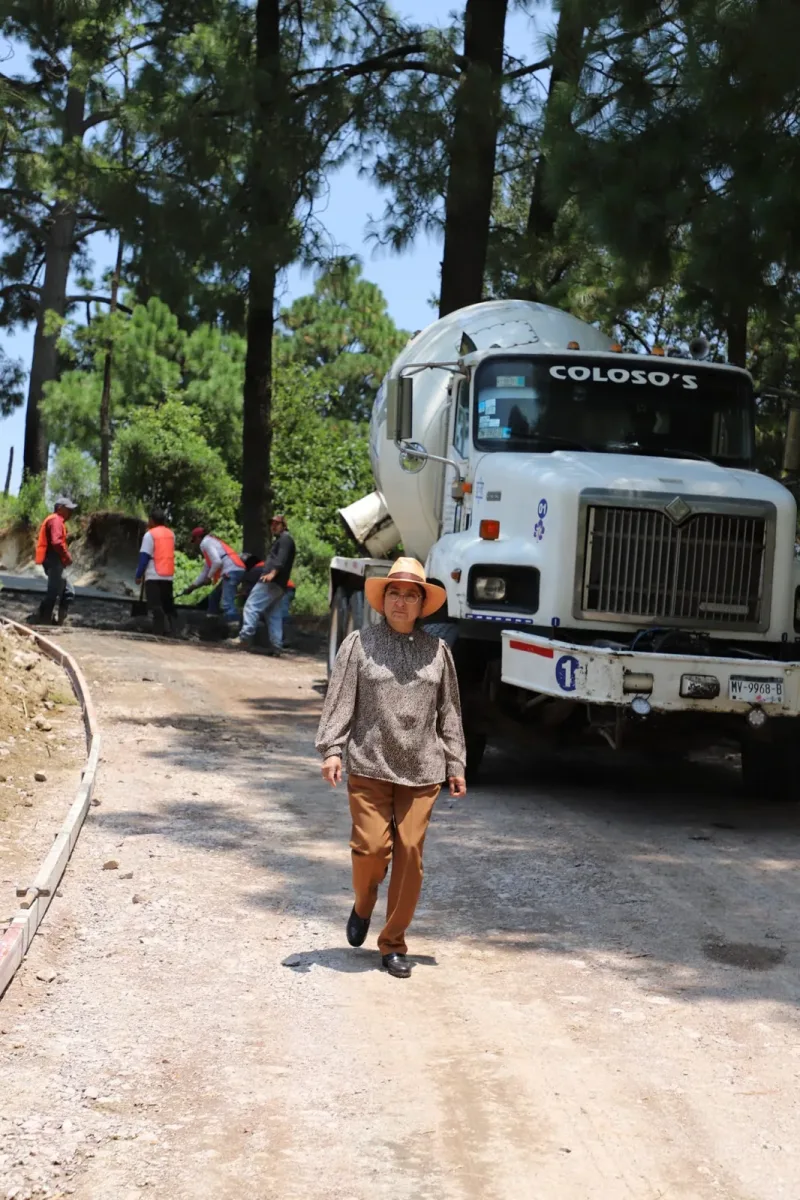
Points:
[(343, 337), (52, 167), (472, 152), (682, 154)]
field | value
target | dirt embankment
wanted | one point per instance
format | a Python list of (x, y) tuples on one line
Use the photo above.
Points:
[(41, 752), (104, 548)]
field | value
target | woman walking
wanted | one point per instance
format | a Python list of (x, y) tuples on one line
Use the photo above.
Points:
[(392, 712)]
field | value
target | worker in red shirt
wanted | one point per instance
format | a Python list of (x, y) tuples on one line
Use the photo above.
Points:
[(53, 554), (221, 565)]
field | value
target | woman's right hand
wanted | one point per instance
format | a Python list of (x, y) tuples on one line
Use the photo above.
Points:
[(332, 770)]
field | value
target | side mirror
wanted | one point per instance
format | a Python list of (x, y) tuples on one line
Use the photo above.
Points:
[(400, 408)]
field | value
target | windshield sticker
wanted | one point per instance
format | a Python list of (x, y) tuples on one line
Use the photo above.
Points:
[(510, 381), (487, 406), (542, 509), (489, 422), (505, 432), (621, 375), (538, 530)]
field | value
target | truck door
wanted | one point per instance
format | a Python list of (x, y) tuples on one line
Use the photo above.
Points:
[(454, 515)]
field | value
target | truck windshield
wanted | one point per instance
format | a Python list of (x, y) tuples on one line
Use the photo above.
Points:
[(634, 406)]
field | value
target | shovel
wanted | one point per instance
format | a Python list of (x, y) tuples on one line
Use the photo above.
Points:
[(139, 607)]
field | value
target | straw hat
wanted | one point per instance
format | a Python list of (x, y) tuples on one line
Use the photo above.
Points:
[(406, 570)]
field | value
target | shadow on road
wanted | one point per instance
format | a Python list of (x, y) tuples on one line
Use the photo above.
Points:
[(349, 962), (652, 869)]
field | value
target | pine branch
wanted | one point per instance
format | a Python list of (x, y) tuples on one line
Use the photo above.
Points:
[(99, 118), (531, 69), (9, 289), (97, 300), (636, 336), (24, 86), (389, 60)]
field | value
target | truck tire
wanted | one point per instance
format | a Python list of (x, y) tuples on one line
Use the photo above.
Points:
[(476, 747), (356, 605), (338, 625), (771, 769), (475, 741)]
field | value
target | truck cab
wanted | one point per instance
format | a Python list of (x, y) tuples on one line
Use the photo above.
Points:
[(611, 557)]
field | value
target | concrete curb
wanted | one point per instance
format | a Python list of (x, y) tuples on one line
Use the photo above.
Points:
[(15, 941)]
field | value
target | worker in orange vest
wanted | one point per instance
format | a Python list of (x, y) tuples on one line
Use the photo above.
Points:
[(52, 554), (157, 570), (222, 564)]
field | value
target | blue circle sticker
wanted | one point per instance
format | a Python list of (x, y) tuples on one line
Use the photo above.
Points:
[(542, 510), (567, 672)]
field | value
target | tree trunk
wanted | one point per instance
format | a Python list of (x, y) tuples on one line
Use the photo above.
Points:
[(257, 425), (105, 399), (7, 488), (567, 66), (473, 149), (267, 219), (736, 329), (59, 247)]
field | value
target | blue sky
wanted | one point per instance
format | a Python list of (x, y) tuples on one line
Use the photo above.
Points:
[(408, 280)]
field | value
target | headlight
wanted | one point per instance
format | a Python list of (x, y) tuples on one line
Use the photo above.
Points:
[(490, 587), (504, 587)]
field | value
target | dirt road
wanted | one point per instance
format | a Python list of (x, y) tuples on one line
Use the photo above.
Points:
[(605, 1001)]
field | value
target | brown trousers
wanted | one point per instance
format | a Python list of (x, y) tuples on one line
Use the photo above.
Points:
[(389, 825)]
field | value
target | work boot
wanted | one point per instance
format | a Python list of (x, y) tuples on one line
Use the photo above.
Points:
[(397, 965), (357, 928), (63, 612), (44, 614)]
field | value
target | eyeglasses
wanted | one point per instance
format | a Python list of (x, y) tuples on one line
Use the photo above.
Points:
[(406, 597)]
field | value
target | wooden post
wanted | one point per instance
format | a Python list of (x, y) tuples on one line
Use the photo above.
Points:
[(8, 472)]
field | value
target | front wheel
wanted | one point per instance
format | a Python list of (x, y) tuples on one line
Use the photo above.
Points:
[(771, 769)]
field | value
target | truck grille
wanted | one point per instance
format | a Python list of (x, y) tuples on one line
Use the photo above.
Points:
[(709, 570)]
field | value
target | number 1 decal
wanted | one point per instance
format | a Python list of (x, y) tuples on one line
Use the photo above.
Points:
[(567, 672)]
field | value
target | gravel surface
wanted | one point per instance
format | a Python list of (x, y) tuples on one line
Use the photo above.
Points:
[(604, 1002)]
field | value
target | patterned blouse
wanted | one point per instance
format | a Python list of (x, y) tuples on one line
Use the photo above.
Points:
[(392, 709)]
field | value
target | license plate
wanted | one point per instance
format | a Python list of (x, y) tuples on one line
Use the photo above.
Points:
[(755, 691)]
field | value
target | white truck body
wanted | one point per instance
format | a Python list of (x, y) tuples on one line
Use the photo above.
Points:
[(634, 582)]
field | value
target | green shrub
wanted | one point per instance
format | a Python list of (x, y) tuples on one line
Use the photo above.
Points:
[(187, 568), (30, 507), (311, 570), (162, 459)]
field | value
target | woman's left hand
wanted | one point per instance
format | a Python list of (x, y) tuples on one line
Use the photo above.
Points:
[(458, 786)]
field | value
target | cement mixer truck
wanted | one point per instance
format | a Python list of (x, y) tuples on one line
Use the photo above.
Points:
[(615, 567)]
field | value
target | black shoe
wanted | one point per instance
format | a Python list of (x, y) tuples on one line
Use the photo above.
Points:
[(357, 929), (397, 965)]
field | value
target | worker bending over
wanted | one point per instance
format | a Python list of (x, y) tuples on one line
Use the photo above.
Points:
[(221, 563)]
